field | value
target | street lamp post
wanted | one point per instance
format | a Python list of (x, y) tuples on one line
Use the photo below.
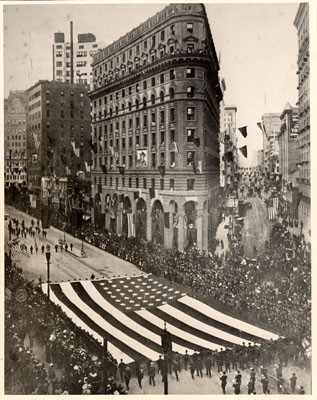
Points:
[(48, 257)]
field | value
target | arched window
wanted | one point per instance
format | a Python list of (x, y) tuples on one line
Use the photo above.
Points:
[(137, 103), (190, 91), (161, 96), (130, 106), (153, 99), (172, 93), (144, 102)]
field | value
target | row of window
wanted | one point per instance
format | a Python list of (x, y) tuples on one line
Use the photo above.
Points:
[(155, 161), (147, 44), (16, 137), (171, 182), (15, 121), (62, 93), (16, 144)]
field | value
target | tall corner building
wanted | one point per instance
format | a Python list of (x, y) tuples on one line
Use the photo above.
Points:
[(303, 149), (155, 127), (83, 51)]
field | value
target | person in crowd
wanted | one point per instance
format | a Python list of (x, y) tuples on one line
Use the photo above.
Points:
[(293, 380), (139, 375), (152, 373), (71, 247), (56, 248), (127, 376), (223, 379)]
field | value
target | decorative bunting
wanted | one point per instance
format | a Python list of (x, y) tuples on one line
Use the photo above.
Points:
[(243, 131), (244, 151)]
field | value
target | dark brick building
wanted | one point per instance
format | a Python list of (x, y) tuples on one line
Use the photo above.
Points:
[(155, 127), (58, 133)]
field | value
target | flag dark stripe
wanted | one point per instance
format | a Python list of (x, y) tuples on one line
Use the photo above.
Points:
[(113, 321), (148, 325), (120, 345), (212, 322), (184, 327)]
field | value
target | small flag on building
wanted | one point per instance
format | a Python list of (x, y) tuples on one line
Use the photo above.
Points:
[(244, 151), (243, 131)]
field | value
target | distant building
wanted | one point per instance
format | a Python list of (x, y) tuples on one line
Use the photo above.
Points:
[(83, 50), (287, 139), (222, 139), (271, 124), (58, 133), (15, 144), (156, 130), (303, 149), (231, 149), (260, 159)]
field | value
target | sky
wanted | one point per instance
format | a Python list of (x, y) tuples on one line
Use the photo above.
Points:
[(256, 44)]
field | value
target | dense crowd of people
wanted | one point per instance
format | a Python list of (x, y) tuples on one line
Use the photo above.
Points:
[(66, 345), (272, 290)]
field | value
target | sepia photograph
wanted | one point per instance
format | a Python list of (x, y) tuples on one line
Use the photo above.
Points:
[(157, 198)]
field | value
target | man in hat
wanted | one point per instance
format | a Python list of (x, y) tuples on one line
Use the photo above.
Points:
[(127, 376), (223, 379), (293, 380), (121, 367), (152, 373)]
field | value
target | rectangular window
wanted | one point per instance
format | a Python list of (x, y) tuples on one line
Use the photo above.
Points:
[(162, 116), (123, 181), (130, 162), (123, 125), (153, 40), (162, 36), (190, 157), (137, 140), (190, 72), (172, 135), (153, 183), (130, 141), (190, 28), (171, 184), (153, 138), (145, 140), (110, 181), (161, 78), (144, 85), (145, 121), (172, 159), (190, 184), (190, 113), (172, 74), (162, 184), (130, 123), (153, 119), (172, 114), (153, 81), (123, 143), (153, 161), (162, 138), (162, 158), (144, 183), (137, 183), (137, 122), (145, 44), (190, 135)]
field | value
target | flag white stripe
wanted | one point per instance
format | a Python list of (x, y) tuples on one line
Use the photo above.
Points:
[(115, 352), (226, 319), (124, 338), (176, 331), (195, 323), (124, 319)]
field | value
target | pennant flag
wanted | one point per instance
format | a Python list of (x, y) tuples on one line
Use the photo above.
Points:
[(259, 124), (130, 313), (17, 247), (175, 147), (243, 131), (244, 151)]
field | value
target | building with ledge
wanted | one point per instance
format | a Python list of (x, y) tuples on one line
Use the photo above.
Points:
[(303, 142), (155, 131)]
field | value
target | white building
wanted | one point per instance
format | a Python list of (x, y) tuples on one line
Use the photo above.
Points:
[(83, 50)]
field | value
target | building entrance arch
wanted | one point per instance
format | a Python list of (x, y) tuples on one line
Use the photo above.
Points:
[(126, 217), (113, 213), (190, 223)]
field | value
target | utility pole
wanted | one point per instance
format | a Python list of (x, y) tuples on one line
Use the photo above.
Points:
[(104, 365)]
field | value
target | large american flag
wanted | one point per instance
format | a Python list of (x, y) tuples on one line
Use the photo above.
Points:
[(130, 313), (16, 246)]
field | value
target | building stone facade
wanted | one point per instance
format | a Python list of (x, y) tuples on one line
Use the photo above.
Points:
[(302, 25), (155, 127), (58, 133), (15, 149), (231, 148), (271, 124)]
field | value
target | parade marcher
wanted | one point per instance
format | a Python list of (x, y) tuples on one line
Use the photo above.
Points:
[(139, 375), (186, 360), (223, 379), (71, 247), (127, 376), (208, 362), (56, 248), (122, 367), (192, 367), (250, 386), (293, 380), (175, 369), (152, 373), (280, 384), (66, 246), (61, 247), (160, 365), (36, 248), (265, 384), (31, 249), (42, 248)]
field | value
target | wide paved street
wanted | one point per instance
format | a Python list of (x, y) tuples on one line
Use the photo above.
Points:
[(65, 266), (256, 227)]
